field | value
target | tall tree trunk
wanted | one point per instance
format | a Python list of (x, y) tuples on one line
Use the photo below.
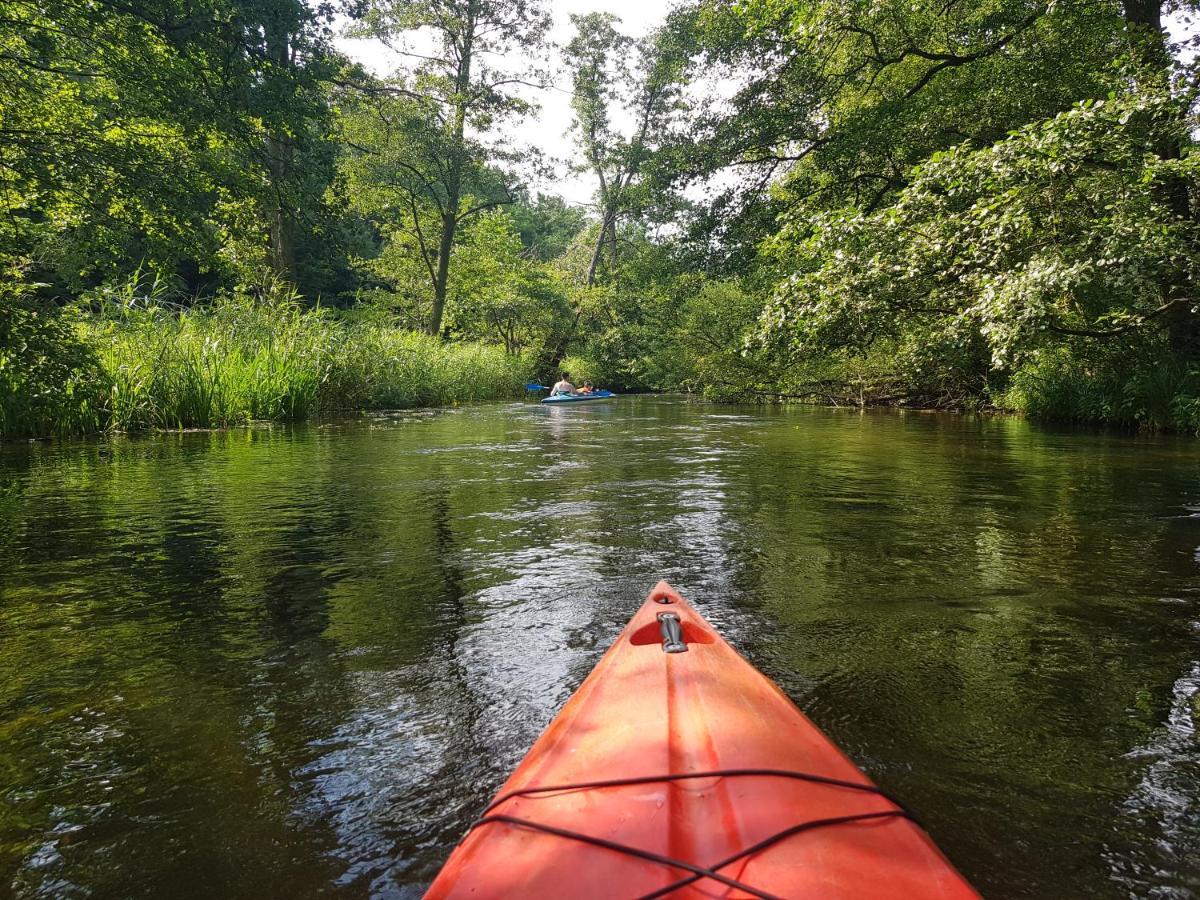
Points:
[(279, 165), (598, 248), (442, 278), (612, 246), (1183, 324), (462, 87), (282, 248)]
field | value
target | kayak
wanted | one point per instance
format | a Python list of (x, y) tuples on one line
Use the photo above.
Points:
[(677, 769), (579, 398)]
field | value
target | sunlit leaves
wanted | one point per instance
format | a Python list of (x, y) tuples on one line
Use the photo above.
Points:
[(1060, 228), (124, 128)]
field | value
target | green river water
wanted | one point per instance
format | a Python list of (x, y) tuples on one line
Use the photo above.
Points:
[(296, 661)]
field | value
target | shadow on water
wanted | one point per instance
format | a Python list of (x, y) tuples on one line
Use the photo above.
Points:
[(289, 662)]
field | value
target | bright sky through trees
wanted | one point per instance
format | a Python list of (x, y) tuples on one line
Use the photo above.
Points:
[(548, 129)]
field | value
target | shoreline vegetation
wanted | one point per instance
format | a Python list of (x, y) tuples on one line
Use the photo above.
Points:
[(126, 362), (139, 364), (233, 362), (956, 206)]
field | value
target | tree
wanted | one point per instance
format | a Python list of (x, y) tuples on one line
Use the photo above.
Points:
[(397, 173), (437, 114), (288, 44), (1151, 52), (137, 133), (611, 73), (102, 147), (1060, 229), (548, 224), (502, 293), (838, 101), (971, 183)]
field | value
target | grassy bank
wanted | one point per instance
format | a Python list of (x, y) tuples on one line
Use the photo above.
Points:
[(134, 368)]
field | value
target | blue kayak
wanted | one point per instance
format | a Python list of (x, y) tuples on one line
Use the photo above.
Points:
[(579, 398)]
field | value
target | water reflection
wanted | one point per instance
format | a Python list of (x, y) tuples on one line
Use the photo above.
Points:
[(285, 662)]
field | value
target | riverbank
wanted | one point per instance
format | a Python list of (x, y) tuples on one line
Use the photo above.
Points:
[(145, 368), (1178, 415), (139, 366), (1136, 389)]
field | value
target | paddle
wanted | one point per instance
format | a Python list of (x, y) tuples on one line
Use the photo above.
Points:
[(536, 387)]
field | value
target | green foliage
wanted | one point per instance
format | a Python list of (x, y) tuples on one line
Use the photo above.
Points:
[(705, 348), (418, 151), (50, 380), (145, 364), (1060, 228), (548, 225), (846, 97), (500, 294), (239, 359), (925, 204), (958, 203), (1134, 383), (174, 136)]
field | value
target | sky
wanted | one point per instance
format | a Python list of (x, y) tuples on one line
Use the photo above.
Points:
[(548, 129)]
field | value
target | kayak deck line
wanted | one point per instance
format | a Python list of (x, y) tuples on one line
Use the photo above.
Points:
[(636, 852), (699, 872), (686, 772), (683, 776)]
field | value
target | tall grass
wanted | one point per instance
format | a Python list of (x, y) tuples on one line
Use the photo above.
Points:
[(136, 364), (374, 366), (240, 361), (234, 362)]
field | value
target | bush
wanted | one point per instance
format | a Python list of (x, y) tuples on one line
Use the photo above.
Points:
[(1134, 384), (50, 379)]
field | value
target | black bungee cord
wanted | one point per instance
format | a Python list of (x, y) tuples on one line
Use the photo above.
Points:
[(697, 872)]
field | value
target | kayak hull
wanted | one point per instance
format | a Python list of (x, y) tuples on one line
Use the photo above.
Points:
[(580, 398), (646, 713)]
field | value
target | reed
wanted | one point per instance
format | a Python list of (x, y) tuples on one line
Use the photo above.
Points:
[(222, 366), (234, 364), (154, 366), (372, 366)]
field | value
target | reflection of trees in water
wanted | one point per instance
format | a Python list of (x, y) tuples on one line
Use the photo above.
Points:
[(979, 605), (173, 688), (440, 795), (306, 658), (396, 778)]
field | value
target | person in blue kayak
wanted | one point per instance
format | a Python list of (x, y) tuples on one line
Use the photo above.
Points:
[(563, 386)]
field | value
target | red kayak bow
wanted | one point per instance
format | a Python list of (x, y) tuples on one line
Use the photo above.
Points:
[(677, 769)]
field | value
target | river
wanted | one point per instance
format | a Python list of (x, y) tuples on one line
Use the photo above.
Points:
[(291, 661)]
